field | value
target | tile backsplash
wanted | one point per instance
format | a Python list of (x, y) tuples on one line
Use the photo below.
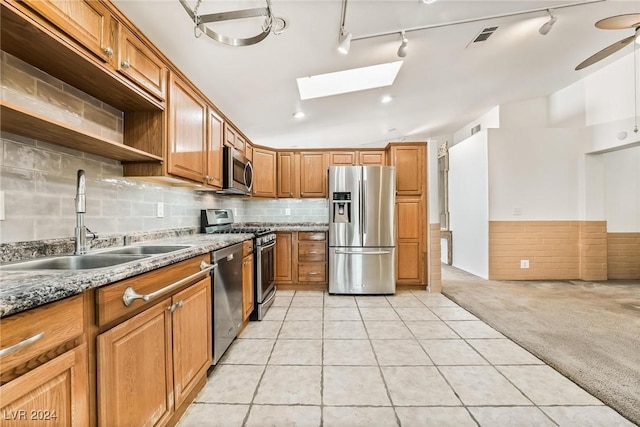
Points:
[(39, 179)]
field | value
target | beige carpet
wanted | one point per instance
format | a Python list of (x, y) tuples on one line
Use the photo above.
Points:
[(588, 331)]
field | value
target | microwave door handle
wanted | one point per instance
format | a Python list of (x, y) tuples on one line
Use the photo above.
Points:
[(249, 167)]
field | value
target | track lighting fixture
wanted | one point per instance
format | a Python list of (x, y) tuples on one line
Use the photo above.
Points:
[(546, 27), (344, 42), (402, 50)]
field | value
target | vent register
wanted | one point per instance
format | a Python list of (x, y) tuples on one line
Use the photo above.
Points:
[(482, 36)]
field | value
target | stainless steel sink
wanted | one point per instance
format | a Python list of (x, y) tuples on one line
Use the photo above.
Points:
[(73, 262), (145, 250)]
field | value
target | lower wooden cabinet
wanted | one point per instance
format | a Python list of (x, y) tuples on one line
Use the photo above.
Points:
[(301, 258), (247, 286), (54, 394), (149, 364)]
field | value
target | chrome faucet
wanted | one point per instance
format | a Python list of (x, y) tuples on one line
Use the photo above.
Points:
[(81, 208)]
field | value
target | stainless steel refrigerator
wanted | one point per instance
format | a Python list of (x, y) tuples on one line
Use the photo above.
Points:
[(362, 230)]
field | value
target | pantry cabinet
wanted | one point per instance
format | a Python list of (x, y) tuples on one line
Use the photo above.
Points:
[(409, 161)]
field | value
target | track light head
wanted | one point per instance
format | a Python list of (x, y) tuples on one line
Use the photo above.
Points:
[(402, 50), (344, 42), (546, 27)]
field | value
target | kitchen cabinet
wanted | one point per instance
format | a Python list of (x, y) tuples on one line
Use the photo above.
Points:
[(411, 212), (313, 174), (286, 174), (152, 356), (264, 172), (140, 64), (187, 131), (233, 138), (301, 259), (88, 22), (372, 158), (44, 375), (284, 252), (248, 151), (342, 158), (215, 126), (409, 161), (247, 279)]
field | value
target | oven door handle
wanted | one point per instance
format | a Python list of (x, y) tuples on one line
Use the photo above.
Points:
[(269, 246), (272, 296)]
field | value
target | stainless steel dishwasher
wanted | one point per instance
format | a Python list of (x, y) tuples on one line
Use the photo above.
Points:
[(227, 298)]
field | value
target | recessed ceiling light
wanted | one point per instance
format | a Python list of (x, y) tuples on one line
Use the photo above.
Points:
[(427, 1), (386, 99), (298, 115), (348, 80)]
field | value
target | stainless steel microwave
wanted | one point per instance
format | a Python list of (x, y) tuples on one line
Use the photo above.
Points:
[(237, 172)]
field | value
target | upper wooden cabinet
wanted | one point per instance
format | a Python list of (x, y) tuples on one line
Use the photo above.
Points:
[(187, 131), (88, 22), (140, 64), (302, 174), (214, 149), (248, 152), (409, 162), (264, 172), (286, 174), (342, 158), (372, 158), (359, 158), (313, 174)]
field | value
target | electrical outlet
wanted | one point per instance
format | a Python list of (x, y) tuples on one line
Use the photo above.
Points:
[(160, 210), (1, 205), (524, 263), (287, 211)]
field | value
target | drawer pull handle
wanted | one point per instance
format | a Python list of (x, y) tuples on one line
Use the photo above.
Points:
[(313, 273), (313, 252), (174, 307), (130, 295), (108, 51), (22, 344), (125, 64)]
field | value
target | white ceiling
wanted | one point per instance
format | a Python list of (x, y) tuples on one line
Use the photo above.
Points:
[(441, 86)]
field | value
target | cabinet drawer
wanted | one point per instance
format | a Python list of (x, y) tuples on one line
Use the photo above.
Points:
[(312, 235), (33, 332), (312, 252), (109, 299), (312, 272), (247, 248)]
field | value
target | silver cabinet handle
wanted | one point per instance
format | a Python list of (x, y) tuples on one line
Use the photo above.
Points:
[(363, 253), (125, 64), (108, 51), (313, 252), (174, 307), (313, 273), (130, 295), (22, 344)]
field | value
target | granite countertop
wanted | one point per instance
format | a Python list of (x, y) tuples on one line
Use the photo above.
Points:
[(22, 290), (292, 226)]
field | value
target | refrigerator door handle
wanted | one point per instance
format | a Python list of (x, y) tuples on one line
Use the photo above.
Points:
[(340, 252)]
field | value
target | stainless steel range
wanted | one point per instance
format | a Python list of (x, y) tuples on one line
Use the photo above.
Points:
[(220, 221)]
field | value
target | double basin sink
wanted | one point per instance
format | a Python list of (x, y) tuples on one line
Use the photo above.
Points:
[(102, 259)]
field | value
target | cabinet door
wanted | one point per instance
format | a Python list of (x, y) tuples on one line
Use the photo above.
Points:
[(247, 286), (410, 175), (286, 174), (87, 21), (248, 151), (214, 149), (371, 158), (230, 135), (313, 174), (192, 347), (141, 65), (134, 370), (284, 253), (187, 132), (342, 158), (409, 218), (241, 144), (53, 394), (409, 262), (264, 173)]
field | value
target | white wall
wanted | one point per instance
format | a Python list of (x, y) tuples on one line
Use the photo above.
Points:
[(468, 204), (567, 107), (432, 178), (528, 113), (534, 174), (491, 119), (622, 190)]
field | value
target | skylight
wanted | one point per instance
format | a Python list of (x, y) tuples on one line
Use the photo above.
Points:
[(348, 80)]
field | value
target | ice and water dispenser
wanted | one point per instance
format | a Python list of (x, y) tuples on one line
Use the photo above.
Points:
[(342, 207)]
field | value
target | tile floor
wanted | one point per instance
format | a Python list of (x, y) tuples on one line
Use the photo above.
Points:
[(412, 359)]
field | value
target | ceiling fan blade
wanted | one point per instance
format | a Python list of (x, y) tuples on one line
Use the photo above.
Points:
[(609, 50), (619, 22)]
